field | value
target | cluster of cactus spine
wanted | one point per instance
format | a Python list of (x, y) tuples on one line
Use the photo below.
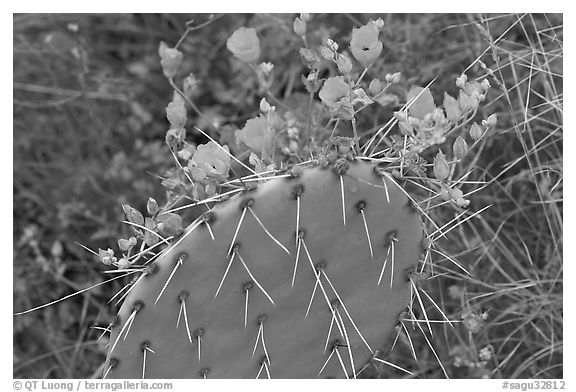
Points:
[(302, 276)]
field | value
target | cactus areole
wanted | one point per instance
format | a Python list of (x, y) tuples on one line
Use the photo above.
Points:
[(303, 276)]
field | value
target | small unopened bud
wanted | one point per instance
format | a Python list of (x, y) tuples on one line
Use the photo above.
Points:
[(473, 323), (344, 64), (491, 120), (486, 353), (266, 67), (175, 138), (441, 167), (123, 263), (124, 244), (475, 131), (332, 45), (170, 59), (393, 78), (265, 107), (460, 148), (152, 206), (299, 27), (305, 17), (375, 87), (176, 112), (106, 256), (379, 23), (461, 81)]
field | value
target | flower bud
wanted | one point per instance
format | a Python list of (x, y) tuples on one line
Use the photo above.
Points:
[(375, 87), (491, 120), (305, 17), (299, 27), (486, 353), (169, 224), (265, 107), (332, 45), (124, 244), (152, 206), (106, 257), (170, 59), (123, 263), (461, 81), (460, 148), (176, 112), (175, 138), (441, 167), (344, 64), (393, 78), (475, 131)]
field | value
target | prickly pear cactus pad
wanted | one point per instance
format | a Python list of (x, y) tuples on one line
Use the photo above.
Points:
[(302, 276)]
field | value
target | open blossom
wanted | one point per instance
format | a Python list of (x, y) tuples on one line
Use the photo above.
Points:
[(334, 89), (257, 135), (210, 162), (244, 44), (365, 45)]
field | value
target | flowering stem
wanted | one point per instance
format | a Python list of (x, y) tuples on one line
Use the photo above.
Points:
[(362, 76), (309, 117), (189, 29), (193, 106)]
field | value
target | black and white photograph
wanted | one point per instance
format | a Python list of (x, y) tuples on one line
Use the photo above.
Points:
[(287, 196)]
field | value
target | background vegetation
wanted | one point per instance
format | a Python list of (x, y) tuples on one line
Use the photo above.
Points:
[(89, 128)]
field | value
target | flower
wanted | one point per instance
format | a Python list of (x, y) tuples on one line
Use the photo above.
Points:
[(176, 112), (175, 138), (106, 256), (170, 59), (299, 27), (210, 161), (257, 135), (334, 89), (244, 44), (365, 45)]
